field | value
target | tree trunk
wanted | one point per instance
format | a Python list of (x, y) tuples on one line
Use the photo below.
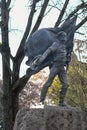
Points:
[(7, 100), (7, 90), (15, 104)]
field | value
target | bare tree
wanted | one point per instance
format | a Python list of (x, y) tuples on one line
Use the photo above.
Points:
[(12, 83)]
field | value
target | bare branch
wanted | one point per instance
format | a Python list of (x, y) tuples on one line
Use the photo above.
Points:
[(81, 23), (19, 84), (81, 6), (53, 5), (1, 51), (40, 17), (80, 33), (8, 3), (62, 13)]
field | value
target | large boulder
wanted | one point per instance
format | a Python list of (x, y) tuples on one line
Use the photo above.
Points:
[(51, 118)]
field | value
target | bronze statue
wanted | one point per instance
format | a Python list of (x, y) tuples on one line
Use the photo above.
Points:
[(51, 47)]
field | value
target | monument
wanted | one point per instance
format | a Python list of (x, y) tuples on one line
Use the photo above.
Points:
[(51, 47)]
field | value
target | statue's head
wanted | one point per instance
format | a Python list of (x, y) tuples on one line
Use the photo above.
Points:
[(62, 36)]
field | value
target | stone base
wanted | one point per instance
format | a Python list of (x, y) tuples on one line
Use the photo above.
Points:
[(51, 118)]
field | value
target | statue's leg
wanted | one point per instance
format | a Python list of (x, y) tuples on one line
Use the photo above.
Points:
[(63, 79), (53, 72)]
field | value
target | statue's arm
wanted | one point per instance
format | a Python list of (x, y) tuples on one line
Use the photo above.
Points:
[(50, 50)]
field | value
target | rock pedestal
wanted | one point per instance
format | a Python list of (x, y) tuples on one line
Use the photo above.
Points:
[(51, 118)]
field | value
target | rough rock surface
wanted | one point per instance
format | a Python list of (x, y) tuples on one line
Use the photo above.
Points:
[(51, 118)]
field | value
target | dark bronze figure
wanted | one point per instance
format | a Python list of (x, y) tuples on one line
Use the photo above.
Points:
[(51, 47)]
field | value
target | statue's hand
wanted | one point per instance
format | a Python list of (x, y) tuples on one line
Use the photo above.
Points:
[(36, 62), (39, 60)]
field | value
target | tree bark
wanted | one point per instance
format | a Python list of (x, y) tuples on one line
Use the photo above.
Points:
[(7, 91), (15, 104)]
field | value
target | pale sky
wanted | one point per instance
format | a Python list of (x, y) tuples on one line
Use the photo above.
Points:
[(17, 23)]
